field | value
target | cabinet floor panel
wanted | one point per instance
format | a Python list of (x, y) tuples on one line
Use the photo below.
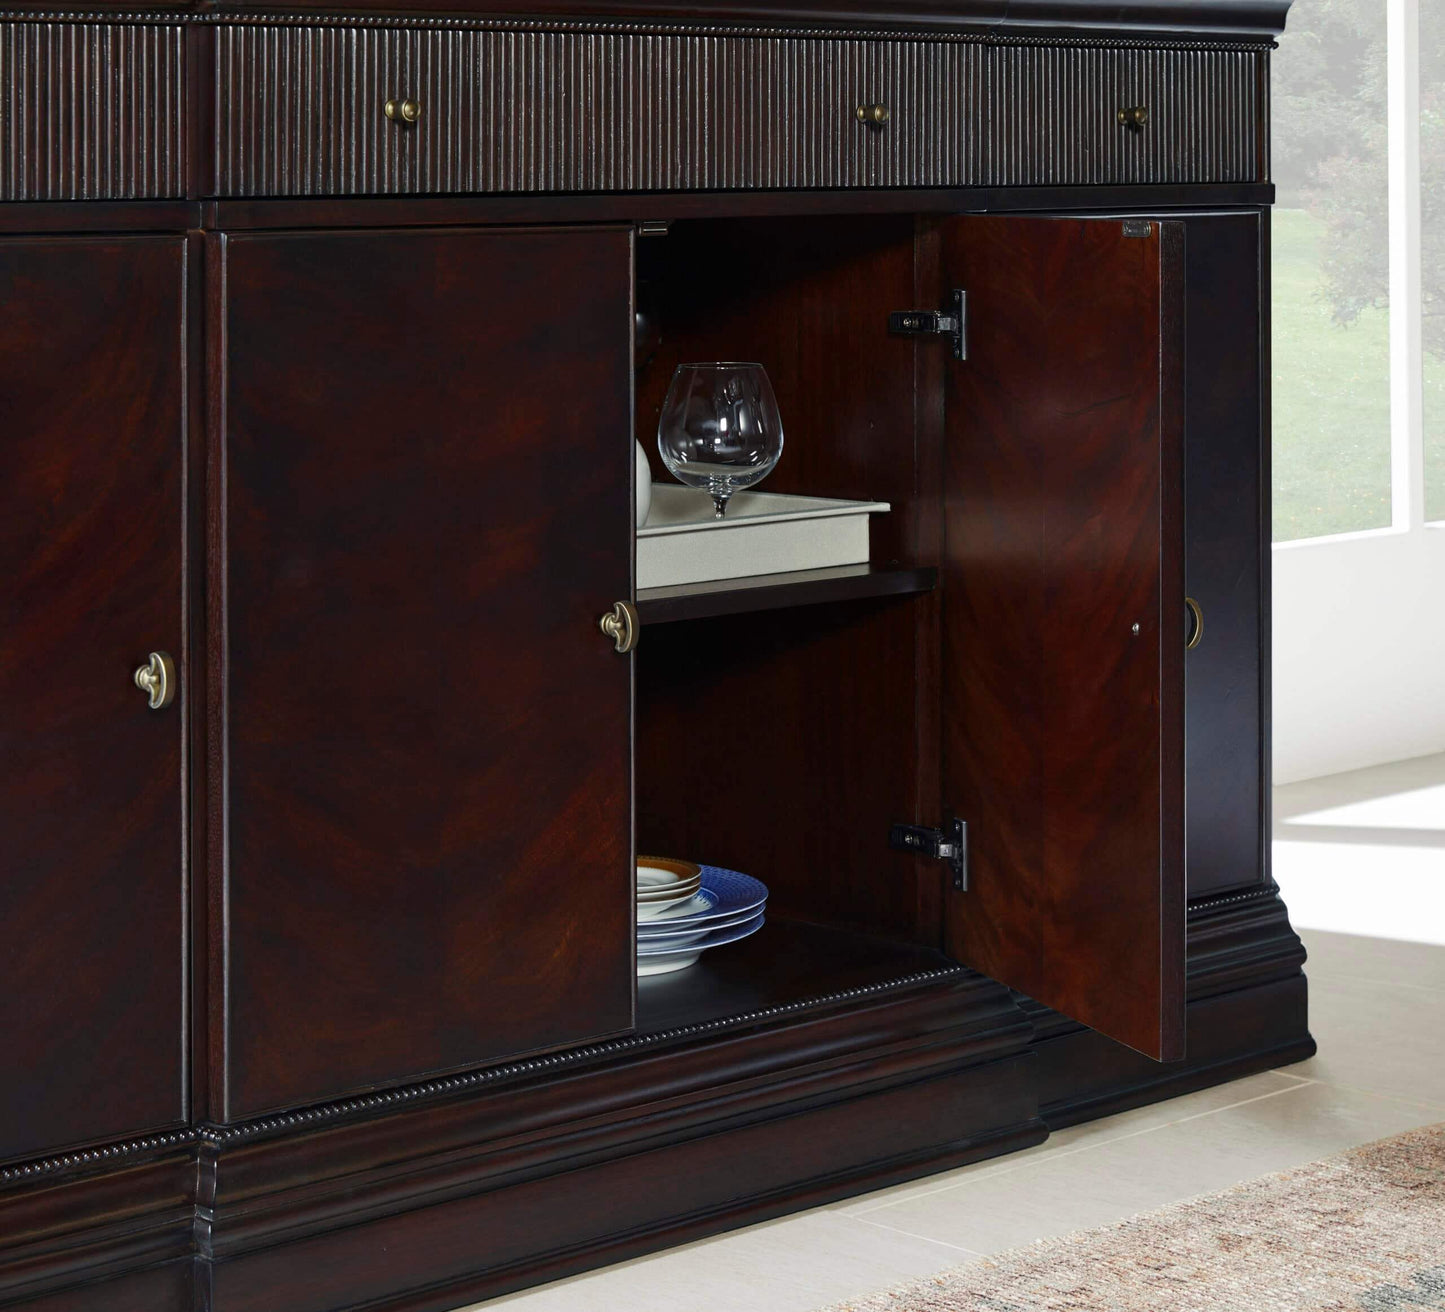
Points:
[(787, 965)]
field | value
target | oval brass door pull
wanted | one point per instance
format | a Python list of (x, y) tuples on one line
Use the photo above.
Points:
[(873, 116), (622, 626), (1197, 630), (405, 112), (157, 679), (1134, 117)]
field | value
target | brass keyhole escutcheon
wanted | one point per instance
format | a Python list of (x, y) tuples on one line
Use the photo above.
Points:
[(157, 679), (1133, 117), (872, 115), (622, 626), (1196, 627), (405, 112)]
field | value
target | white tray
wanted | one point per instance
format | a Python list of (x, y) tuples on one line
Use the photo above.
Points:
[(762, 533)]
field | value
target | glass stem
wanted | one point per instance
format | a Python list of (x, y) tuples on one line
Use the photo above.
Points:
[(720, 495)]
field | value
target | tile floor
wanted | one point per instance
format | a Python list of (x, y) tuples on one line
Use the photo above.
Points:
[(1377, 1011)]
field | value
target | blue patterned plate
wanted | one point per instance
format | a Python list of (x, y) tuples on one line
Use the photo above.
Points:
[(665, 933), (667, 960)]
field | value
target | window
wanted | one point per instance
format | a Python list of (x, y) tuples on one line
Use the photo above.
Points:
[(1432, 248), (1359, 267)]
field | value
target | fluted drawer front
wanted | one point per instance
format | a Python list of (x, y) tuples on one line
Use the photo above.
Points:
[(300, 112), (1053, 114), (91, 111)]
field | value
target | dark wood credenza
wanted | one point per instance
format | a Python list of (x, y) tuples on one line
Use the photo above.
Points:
[(318, 980)]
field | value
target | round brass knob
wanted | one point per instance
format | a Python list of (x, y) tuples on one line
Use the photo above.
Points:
[(1133, 117), (622, 626), (1196, 628), (403, 111), (157, 679), (873, 116)]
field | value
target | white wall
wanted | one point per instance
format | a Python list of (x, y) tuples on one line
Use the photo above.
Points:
[(1359, 651)]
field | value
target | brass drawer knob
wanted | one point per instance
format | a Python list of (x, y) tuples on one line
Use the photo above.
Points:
[(405, 112), (157, 679), (1196, 624), (622, 626), (873, 116), (1133, 117)]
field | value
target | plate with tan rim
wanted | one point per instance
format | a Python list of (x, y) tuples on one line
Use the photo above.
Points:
[(664, 881)]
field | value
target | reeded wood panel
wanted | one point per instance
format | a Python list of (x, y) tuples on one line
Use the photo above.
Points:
[(1053, 116), (91, 111), (300, 112), (92, 884), (428, 505)]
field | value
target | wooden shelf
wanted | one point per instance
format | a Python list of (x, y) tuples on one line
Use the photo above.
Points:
[(696, 601)]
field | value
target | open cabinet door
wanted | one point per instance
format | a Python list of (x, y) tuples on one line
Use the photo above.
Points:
[(1063, 616)]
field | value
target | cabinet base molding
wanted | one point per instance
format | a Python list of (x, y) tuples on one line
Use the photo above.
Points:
[(1247, 1013), (434, 1197), (739, 1103)]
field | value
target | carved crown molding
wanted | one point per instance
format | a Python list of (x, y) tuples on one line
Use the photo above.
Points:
[(628, 27)]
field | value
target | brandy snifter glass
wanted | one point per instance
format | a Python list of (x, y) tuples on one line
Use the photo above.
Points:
[(720, 429)]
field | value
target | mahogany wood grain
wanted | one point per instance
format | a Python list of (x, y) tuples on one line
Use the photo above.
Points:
[(429, 857), (92, 809), (1063, 687)]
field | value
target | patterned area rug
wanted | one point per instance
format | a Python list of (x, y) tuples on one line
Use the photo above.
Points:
[(1361, 1232)]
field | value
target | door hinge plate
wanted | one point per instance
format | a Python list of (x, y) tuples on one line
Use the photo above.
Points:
[(948, 843), (952, 324)]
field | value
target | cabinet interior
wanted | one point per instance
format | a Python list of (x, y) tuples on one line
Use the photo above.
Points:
[(785, 742)]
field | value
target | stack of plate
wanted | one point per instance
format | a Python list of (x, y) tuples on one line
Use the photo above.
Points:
[(684, 909)]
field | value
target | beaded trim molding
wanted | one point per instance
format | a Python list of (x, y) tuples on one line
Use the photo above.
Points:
[(617, 27), (1259, 894), (219, 1135)]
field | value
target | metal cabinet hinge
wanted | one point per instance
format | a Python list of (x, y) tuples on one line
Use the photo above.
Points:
[(936, 323), (949, 843)]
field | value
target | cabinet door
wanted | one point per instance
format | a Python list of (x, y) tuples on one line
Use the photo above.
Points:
[(1063, 616), (92, 459), (428, 490)]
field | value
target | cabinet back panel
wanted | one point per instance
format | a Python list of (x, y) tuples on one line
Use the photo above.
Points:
[(428, 505), (92, 462), (786, 744), (809, 300)]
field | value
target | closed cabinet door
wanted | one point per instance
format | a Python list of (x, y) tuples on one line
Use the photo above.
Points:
[(92, 810), (427, 507), (1064, 616)]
